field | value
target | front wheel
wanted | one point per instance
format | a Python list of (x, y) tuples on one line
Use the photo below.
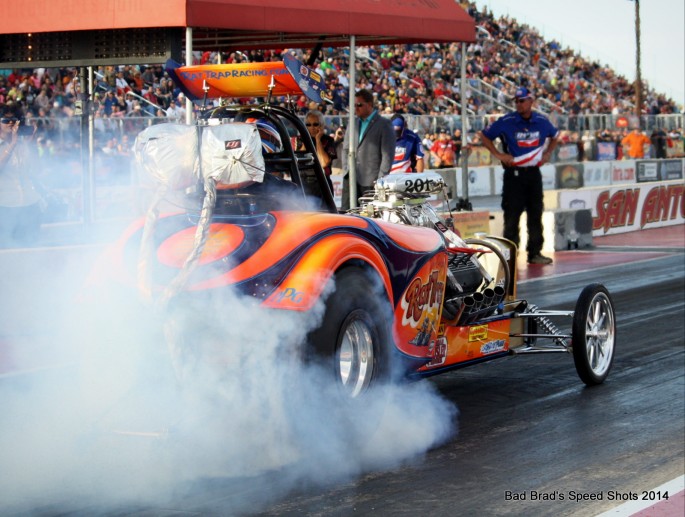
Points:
[(594, 334), (353, 340)]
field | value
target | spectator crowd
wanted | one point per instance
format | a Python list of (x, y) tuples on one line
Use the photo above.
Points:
[(408, 79)]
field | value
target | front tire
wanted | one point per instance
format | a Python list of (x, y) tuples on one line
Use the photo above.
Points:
[(594, 334), (353, 340)]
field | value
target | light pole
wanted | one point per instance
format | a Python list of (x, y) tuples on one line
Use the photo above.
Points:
[(638, 73)]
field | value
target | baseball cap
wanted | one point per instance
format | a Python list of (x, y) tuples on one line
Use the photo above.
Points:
[(398, 124), (522, 93)]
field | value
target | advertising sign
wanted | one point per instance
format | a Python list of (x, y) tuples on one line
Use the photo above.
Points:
[(567, 153), (576, 199), (606, 151), (631, 207), (549, 177), (479, 156), (337, 180), (671, 169), (623, 172), (479, 181), (569, 175), (470, 223), (647, 170), (596, 174)]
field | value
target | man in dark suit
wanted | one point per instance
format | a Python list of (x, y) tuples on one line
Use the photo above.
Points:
[(375, 147)]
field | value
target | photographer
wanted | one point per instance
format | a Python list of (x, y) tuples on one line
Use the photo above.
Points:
[(338, 139), (20, 203)]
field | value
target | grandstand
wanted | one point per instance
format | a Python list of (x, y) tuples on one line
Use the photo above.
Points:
[(589, 102)]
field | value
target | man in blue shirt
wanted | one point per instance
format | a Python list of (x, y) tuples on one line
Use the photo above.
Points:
[(408, 148), (528, 141)]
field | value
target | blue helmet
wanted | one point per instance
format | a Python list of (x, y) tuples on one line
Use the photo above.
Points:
[(271, 140)]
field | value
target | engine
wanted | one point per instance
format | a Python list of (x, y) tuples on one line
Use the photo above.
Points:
[(403, 198), (466, 273)]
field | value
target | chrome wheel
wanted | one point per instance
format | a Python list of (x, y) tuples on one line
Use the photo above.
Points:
[(356, 355), (594, 334), (354, 339), (599, 335)]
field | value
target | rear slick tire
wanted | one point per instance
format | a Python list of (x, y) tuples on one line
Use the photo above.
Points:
[(353, 340)]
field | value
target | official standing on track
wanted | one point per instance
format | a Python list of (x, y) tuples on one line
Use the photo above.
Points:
[(528, 141)]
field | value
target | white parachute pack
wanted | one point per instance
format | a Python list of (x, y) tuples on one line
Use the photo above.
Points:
[(232, 154), (229, 154)]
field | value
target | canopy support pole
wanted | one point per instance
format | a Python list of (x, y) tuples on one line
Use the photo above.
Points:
[(464, 153), (352, 127), (189, 62)]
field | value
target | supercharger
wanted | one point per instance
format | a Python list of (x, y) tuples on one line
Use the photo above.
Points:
[(404, 198)]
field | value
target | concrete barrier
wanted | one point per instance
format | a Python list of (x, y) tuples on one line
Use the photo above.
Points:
[(562, 229), (487, 180)]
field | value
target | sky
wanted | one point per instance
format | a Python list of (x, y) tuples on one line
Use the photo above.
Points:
[(604, 30)]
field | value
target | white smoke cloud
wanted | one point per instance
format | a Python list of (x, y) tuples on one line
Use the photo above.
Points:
[(112, 427)]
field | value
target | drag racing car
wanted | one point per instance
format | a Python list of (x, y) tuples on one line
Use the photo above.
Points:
[(399, 293)]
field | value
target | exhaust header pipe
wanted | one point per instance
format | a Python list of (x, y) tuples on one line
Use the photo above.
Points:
[(481, 304)]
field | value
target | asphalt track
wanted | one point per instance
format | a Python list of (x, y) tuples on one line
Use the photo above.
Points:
[(529, 427), (529, 432)]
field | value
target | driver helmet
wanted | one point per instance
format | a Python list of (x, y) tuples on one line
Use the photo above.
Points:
[(271, 140)]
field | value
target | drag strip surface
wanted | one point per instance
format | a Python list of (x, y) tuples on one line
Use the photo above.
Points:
[(531, 434), (531, 439)]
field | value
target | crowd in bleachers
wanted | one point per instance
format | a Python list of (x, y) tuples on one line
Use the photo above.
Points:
[(413, 79), (419, 79)]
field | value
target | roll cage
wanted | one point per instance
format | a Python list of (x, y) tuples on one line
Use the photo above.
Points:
[(297, 161)]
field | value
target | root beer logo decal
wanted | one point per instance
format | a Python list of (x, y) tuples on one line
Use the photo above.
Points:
[(422, 299), (478, 333)]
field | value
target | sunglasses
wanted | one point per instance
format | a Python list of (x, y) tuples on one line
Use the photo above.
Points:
[(359, 104), (520, 101), (8, 120), (310, 124)]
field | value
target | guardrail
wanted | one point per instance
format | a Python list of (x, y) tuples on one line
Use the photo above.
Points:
[(65, 130), (64, 161)]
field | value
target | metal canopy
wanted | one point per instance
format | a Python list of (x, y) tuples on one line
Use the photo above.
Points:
[(68, 33), (368, 20), (28, 30)]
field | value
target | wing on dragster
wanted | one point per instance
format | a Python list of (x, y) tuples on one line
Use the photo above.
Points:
[(287, 77)]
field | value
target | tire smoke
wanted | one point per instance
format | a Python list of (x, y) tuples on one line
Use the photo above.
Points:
[(115, 407)]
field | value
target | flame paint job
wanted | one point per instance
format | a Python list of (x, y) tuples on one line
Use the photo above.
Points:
[(264, 255), (285, 259), (305, 283), (222, 240), (410, 237)]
